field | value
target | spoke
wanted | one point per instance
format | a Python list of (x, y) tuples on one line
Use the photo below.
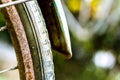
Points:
[(3, 28), (9, 69), (13, 3)]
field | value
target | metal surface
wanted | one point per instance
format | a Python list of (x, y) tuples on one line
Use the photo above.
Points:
[(43, 39), (38, 39), (18, 36), (63, 25), (12, 3), (57, 26)]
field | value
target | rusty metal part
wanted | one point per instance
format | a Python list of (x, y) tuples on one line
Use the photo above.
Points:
[(13, 3), (20, 42), (32, 40), (38, 40)]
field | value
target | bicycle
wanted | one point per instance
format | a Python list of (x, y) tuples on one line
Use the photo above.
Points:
[(30, 36)]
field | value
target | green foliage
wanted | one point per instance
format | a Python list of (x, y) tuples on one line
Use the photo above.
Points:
[(2, 21)]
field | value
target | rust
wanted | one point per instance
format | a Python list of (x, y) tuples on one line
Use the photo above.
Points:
[(18, 35)]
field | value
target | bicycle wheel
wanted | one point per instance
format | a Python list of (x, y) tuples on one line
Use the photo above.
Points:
[(30, 39)]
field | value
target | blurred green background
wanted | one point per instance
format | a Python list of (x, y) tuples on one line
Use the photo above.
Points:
[(95, 40)]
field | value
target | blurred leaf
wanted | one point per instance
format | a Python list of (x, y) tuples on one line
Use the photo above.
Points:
[(74, 5), (94, 6), (2, 21)]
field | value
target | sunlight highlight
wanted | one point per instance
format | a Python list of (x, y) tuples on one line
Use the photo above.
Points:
[(104, 59)]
